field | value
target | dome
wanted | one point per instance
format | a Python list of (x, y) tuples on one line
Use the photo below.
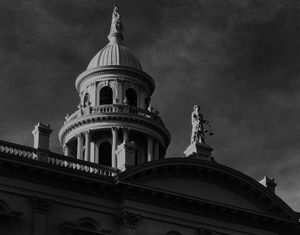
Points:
[(114, 54)]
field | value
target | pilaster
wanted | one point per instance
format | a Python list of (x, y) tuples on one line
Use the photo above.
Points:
[(39, 210)]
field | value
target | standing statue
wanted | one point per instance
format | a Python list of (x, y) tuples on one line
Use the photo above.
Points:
[(116, 25), (198, 126)]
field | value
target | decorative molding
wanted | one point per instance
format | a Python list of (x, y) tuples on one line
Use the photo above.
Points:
[(127, 220), (69, 228), (40, 205)]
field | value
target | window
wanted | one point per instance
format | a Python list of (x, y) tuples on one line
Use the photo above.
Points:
[(105, 154), (106, 95), (131, 96)]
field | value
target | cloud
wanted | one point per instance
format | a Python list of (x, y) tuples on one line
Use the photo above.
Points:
[(235, 58)]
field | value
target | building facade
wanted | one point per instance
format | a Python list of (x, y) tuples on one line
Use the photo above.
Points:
[(114, 178)]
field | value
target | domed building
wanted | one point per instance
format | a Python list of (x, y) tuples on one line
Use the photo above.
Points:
[(114, 177)]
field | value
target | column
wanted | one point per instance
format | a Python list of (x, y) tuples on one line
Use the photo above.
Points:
[(150, 149), (156, 150), (87, 135), (66, 150), (92, 154), (114, 146), (79, 146)]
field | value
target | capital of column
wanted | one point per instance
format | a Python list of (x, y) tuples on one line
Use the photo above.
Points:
[(87, 132), (40, 205), (115, 128), (128, 220), (79, 135)]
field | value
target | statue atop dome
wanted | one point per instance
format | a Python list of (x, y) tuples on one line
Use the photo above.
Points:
[(116, 28)]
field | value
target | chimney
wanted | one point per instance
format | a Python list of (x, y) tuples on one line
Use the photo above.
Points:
[(41, 134), (269, 183)]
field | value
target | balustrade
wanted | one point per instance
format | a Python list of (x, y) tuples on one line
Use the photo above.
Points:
[(114, 108), (56, 159)]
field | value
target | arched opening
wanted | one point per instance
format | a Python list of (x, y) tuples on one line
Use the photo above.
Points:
[(104, 151), (106, 95), (88, 225), (131, 96), (86, 99)]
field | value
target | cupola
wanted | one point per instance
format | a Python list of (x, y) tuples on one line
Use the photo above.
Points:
[(115, 124)]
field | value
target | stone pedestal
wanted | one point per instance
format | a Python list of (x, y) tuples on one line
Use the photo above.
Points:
[(125, 155), (199, 150), (41, 133)]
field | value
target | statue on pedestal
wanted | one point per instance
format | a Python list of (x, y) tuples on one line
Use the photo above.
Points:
[(198, 148), (198, 126)]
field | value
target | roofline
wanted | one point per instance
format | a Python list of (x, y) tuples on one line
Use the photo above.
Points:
[(212, 166)]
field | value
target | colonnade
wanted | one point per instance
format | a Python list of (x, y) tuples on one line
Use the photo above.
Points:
[(84, 143)]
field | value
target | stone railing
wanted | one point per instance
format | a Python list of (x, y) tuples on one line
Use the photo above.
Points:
[(55, 159), (88, 167), (18, 150), (114, 109)]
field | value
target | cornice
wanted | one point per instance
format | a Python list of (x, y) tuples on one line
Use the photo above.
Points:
[(87, 120), (115, 70), (179, 202)]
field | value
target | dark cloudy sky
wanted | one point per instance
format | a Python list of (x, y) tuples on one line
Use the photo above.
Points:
[(238, 59)]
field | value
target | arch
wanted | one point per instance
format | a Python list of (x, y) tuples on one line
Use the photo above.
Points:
[(104, 153), (86, 99), (88, 224), (131, 96), (106, 95)]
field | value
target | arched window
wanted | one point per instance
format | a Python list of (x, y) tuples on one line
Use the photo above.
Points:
[(86, 99), (105, 154), (88, 225), (131, 96), (106, 95)]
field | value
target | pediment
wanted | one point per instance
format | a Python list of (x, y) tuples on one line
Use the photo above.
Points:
[(209, 182), (201, 190)]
